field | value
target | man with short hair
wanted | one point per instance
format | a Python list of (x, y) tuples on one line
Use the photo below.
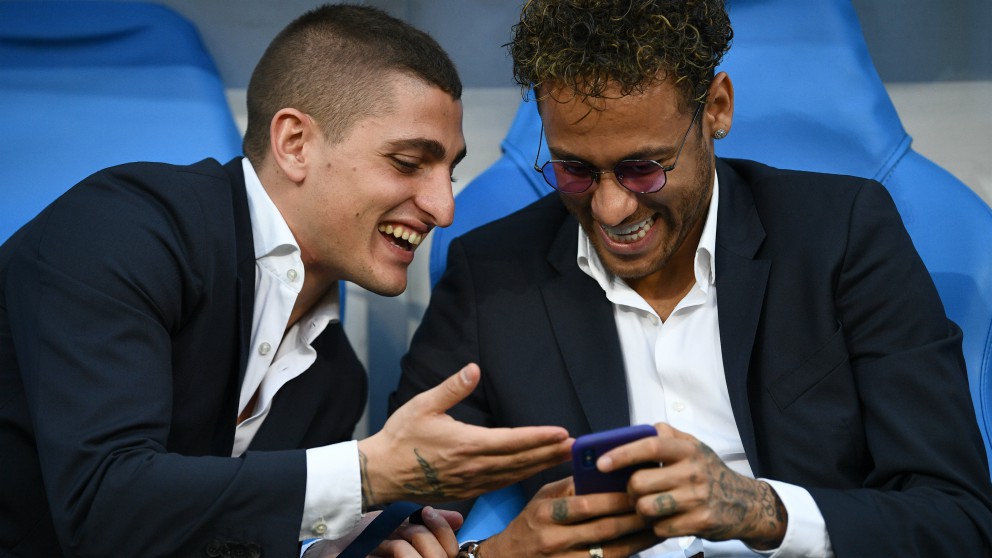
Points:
[(175, 379), (777, 327)]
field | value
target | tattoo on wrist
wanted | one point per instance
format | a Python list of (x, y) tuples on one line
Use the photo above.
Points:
[(432, 483), (773, 515), (368, 497)]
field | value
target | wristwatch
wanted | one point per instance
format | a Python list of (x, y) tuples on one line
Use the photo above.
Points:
[(469, 550)]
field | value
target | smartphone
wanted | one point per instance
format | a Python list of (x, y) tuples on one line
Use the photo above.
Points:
[(588, 448)]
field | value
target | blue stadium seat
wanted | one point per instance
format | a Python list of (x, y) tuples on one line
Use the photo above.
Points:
[(87, 85)]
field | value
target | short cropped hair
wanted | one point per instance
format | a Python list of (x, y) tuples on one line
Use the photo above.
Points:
[(334, 63), (586, 47)]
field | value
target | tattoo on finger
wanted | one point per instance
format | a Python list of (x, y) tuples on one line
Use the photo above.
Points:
[(665, 504), (559, 510)]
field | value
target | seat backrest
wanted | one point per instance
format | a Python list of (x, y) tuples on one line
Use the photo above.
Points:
[(807, 96), (87, 85)]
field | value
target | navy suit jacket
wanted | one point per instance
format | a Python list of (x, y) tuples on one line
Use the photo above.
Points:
[(125, 315), (844, 375)]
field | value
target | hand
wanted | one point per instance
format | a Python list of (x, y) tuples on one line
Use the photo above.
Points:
[(423, 454), (695, 493), (556, 522), (434, 539)]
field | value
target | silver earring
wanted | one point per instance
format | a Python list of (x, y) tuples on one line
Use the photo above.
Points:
[(720, 133)]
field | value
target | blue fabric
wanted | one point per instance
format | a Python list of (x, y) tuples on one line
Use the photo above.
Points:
[(87, 85), (807, 96)]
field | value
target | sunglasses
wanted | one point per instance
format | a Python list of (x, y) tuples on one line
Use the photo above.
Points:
[(638, 176)]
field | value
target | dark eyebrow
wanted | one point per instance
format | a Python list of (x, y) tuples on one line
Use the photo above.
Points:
[(431, 147)]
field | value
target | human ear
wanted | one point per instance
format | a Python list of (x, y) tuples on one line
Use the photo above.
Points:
[(289, 132), (719, 113)]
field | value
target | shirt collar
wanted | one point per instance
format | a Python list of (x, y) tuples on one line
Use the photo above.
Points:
[(270, 232), (275, 243), (704, 263)]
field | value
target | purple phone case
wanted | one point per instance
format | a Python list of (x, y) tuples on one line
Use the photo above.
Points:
[(588, 448)]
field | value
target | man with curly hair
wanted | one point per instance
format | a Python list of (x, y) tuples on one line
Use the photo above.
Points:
[(777, 327)]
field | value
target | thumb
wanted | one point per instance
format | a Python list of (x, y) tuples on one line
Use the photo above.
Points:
[(451, 391)]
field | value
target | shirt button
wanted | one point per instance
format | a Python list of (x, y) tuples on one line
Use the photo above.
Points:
[(292, 274), (319, 528), (678, 406), (654, 319), (264, 349)]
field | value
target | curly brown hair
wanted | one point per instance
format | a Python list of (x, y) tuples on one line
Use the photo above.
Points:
[(587, 47)]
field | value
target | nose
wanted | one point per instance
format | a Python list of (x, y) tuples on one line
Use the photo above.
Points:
[(437, 200), (611, 202)]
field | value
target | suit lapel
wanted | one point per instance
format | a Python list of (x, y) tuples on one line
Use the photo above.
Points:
[(246, 262), (741, 280), (583, 324)]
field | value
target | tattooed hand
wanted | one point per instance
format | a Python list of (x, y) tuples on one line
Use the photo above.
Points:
[(423, 454), (695, 493), (556, 522)]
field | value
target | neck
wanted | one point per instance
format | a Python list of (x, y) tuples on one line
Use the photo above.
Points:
[(315, 287)]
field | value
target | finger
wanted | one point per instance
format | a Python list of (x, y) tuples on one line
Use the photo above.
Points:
[(629, 531), (454, 519), (423, 541), (395, 548), (442, 531), (450, 392), (579, 509), (485, 474), (512, 441), (655, 449), (661, 505)]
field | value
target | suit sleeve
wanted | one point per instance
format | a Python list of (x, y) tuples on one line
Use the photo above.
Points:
[(927, 492), (447, 340), (93, 302)]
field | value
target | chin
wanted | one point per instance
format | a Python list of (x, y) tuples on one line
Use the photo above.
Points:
[(386, 288)]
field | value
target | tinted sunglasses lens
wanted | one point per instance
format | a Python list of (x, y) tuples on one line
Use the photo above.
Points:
[(643, 177), (568, 177)]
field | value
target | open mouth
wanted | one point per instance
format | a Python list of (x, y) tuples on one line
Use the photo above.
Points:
[(630, 233), (401, 237)]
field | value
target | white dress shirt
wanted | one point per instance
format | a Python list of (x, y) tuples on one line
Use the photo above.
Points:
[(333, 503), (675, 375)]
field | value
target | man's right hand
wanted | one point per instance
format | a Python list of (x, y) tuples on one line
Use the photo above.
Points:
[(423, 454), (556, 522)]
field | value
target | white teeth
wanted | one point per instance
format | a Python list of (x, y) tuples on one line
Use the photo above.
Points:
[(629, 233), (399, 231)]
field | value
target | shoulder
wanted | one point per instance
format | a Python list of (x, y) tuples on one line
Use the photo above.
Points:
[(802, 198), (760, 177), (531, 228), (133, 208)]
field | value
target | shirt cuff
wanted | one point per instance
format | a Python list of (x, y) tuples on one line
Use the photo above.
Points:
[(333, 504), (806, 533)]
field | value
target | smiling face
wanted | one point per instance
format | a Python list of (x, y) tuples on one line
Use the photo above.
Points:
[(360, 207), (641, 238)]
